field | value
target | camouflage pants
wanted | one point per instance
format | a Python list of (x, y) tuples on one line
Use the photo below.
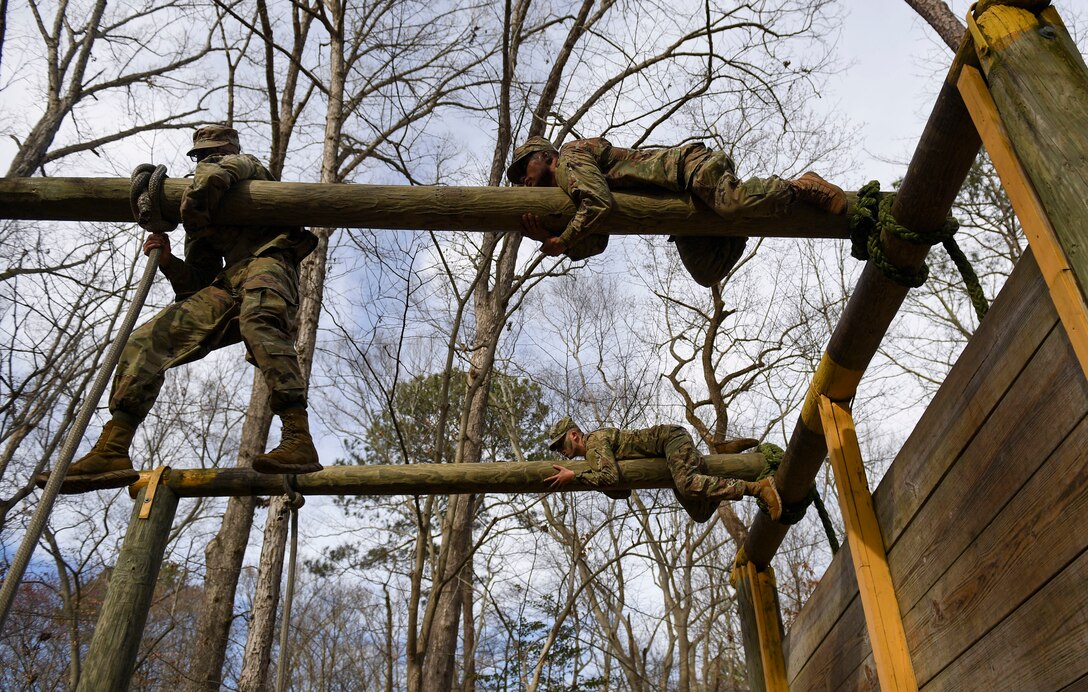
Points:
[(698, 492), (254, 301), (713, 180)]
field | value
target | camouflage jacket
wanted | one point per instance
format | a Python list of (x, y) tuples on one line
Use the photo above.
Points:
[(211, 247), (588, 169), (607, 445)]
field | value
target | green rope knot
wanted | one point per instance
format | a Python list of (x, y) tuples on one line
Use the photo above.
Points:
[(872, 215), (793, 513)]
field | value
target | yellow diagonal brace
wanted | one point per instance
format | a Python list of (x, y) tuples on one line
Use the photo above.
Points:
[(1059, 276), (152, 486), (882, 618)]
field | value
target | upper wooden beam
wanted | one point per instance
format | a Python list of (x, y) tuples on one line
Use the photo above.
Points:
[(403, 207), (436, 479)]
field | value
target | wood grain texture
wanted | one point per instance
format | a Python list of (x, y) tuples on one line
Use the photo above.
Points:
[(111, 657), (405, 207)]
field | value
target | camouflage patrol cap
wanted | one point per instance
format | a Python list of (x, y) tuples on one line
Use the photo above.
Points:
[(521, 157), (558, 432), (212, 136)]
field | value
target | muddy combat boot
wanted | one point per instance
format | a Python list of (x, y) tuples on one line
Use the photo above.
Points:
[(296, 453), (734, 446), (107, 465), (814, 190), (766, 491)]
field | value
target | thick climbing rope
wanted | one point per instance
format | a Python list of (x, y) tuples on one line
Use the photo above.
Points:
[(295, 500), (872, 215), (793, 513), (146, 195)]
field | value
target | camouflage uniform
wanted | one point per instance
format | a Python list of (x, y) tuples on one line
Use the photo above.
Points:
[(253, 299), (695, 488), (588, 169)]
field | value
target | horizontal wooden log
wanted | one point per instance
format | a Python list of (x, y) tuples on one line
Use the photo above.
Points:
[(404, 207), (437, 479)]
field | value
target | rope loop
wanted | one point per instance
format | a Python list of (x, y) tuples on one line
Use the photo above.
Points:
[(145, 198), (872, 216), (295, 499)]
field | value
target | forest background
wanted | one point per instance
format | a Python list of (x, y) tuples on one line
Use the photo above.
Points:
[(452, 347)]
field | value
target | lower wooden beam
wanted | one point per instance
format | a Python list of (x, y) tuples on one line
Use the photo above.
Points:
[(436, 479), (883, 620)]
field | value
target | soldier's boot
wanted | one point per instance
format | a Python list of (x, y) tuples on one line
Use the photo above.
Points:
[(107, 465), (814, 190), (766, 491), (709, 259), (296, 452), (735, 445)]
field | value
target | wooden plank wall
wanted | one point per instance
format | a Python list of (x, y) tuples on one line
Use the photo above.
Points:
[(985, 512)]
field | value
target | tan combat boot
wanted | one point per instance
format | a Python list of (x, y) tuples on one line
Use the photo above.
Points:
[(107, 465), (735, 445), (814, 190), (767, 491), (296, 453)]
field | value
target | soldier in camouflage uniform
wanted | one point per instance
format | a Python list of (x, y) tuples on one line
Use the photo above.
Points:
[(588, 169), (236, 283), (698, 492)]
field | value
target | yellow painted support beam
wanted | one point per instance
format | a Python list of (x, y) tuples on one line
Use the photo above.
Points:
[(1059, 276), (761, 623), (882, 617)]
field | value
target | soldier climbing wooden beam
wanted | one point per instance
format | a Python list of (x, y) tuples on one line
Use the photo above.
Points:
[(429, 479), (405, 207)]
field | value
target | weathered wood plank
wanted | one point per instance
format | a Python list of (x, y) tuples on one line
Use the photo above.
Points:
[(1045, 404), (990, 362), (405, 207), (1019, 320), (111, 657), (424, 479), (1007, 659), (1048, 400), (1033, 538)]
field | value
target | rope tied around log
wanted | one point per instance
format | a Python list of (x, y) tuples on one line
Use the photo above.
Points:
[(872, 216), (793, 513), (145, 198)]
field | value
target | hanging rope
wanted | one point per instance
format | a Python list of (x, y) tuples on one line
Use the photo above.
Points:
[(791, 514), (873, 216), (295, 500), (147, 181)]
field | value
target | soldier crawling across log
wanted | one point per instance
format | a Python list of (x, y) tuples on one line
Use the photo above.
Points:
[(698, 492), (236, 283), (588, 169)]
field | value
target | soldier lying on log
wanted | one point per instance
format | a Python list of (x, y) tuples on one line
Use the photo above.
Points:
[(699, 493), (236, 283), (588, 169)]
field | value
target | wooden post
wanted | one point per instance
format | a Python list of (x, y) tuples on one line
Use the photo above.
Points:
[(430, 479), (940, 164), (761, 627), (404, 207), (882, 617), (1038, 86), (111, 658)]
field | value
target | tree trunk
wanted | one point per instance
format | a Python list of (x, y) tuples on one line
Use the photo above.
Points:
[(262, 626), (224, 553), (941, 19)]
